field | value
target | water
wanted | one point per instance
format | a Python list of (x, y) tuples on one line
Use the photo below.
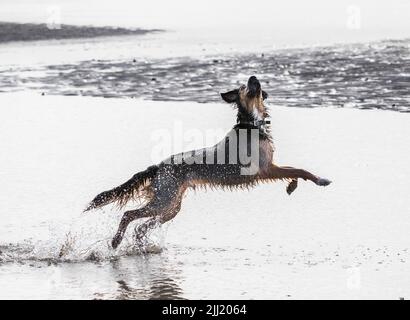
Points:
[(58, 151), (347, 240), (371, 75)]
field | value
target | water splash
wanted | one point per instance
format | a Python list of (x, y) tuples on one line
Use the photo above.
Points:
[(87, 238)]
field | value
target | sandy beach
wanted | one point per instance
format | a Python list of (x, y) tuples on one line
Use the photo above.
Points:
[(349, 240), (93, 92)]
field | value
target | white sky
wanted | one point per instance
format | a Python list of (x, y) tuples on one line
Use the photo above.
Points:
[(286, 14)]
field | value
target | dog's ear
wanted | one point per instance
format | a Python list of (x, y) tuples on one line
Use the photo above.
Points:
[(230, 96), (264, 95)]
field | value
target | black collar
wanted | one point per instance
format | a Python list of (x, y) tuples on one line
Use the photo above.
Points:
[(255, 123)]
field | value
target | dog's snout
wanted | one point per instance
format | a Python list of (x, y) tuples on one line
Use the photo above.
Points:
[(253, 79), (254, 86)]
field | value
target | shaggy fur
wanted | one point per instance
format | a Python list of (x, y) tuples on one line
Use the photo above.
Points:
[(133, 189), (164, 185)]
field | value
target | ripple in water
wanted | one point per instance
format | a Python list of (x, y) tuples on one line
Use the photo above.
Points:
[(365, 76)]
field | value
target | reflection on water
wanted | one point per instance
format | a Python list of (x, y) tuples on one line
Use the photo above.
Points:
[(165, 289), (161, 289), (147, 274), (182, 272), (148, 277)]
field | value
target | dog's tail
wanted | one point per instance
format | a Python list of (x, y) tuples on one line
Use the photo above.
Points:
[(125, 192)]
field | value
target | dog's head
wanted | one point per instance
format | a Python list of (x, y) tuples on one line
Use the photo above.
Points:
[(248, 97)]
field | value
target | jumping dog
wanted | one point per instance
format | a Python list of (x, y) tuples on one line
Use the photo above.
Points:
[(242, 159)]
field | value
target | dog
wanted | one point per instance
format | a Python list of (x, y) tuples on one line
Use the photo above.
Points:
[(242, 159)]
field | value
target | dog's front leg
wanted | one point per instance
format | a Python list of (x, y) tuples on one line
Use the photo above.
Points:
[(292, 186), (294, 174)]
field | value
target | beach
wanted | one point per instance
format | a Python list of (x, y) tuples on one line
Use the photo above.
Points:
[(164, 67), (92, 93), (348, 240)]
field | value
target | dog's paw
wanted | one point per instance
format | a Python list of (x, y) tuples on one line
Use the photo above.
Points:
[(323, 182), (116, 241), (291, 186)]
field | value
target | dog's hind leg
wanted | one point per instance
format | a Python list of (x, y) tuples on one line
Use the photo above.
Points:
[(127, 218), (168, 188), (163, 207), (166, 215), (142, 230)]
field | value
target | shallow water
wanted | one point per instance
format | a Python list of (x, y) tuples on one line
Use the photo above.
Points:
[(349, 240), (365, 76), (181, 272)]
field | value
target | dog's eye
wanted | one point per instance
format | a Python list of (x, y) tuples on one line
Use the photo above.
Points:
[(242, 87)]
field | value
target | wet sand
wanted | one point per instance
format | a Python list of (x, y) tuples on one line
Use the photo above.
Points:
[(364, 76), (349, 240)]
